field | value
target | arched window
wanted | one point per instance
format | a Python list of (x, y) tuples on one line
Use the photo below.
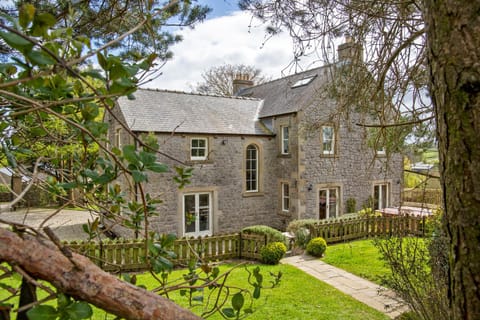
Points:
[(251, 168)]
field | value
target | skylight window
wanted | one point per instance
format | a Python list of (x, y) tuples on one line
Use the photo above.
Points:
[(303, 82)]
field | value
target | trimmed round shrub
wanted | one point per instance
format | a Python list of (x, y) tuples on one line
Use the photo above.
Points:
[(273, 252), (271, 233), (316, 247)]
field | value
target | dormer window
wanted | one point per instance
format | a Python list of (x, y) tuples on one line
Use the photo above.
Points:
[(303, 81)]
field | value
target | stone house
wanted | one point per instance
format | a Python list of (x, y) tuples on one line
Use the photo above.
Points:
[(274, 153)]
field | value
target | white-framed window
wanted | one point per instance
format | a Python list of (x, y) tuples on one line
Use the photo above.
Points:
[(285, 145), (328, 140), (328, 203), (285, 197), (118, 138), (197, 214), (381, 195), (380, 151), (198, 149), (251, 168)]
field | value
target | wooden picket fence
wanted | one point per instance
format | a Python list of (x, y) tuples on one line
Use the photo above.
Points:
[(342, 230), (129, 255)]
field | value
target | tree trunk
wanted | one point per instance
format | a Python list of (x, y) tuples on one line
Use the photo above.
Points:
[(80, 278), (453, 38)]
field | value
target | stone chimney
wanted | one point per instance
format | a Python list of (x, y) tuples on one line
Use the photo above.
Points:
[(241, 82), (349, 50)]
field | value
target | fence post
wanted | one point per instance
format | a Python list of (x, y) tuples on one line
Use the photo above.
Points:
[(367, 231), (342, 230), (423, 226), (240, 245)]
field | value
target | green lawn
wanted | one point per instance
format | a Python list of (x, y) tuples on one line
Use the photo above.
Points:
[(358, 257), (299, 296)]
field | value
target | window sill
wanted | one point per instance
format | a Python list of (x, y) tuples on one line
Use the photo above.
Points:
[(194, 162), (284, 155), (329, 155), (252, 194), (286, 214)]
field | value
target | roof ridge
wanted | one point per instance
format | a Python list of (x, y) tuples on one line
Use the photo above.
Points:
[(199, 94)]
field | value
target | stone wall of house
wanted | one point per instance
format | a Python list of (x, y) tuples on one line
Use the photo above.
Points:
[(354, 169), (223, 176), (286, 168)]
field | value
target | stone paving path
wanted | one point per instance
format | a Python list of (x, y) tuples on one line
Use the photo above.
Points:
[(363, 290), (67, 224)]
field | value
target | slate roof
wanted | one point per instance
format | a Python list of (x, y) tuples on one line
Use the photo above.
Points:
[(173, 111), (281, 98), (168, 111)]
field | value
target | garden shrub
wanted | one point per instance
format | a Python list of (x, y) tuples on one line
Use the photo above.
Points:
[(351, 205), (369, 212), (295, 225), (316, 247), (302, 230), (273, 235), (273, 252), (302, 236)]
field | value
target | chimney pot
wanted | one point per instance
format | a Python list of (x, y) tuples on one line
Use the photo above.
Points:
[(241, 82), (349, 50)]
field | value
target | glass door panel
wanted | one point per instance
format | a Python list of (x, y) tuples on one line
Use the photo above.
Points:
[(332, 203), (322, 205), (204, 212), (189, 213)]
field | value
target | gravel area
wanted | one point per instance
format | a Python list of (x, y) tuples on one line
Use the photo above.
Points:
[(67, 224)]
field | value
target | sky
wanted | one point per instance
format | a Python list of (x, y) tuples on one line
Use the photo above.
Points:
[(228, 36)]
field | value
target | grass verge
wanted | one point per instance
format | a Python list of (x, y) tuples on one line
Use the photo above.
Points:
[(299, 296), (358, 257)]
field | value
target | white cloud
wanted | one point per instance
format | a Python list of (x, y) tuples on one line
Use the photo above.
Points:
[(224, 40)]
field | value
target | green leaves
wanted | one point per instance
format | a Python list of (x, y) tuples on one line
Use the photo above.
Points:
[(140, 162), (66, 310), (39, 58), (42, 312), (160, 252), (41, 23), (237, 301), (183, 176), (121, 75), (16, 42), (237, 304), (26, 14), (78, 310)]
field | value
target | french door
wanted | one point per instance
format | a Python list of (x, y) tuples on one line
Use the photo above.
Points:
[(197, 214), (380, 196), (328, 203)]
